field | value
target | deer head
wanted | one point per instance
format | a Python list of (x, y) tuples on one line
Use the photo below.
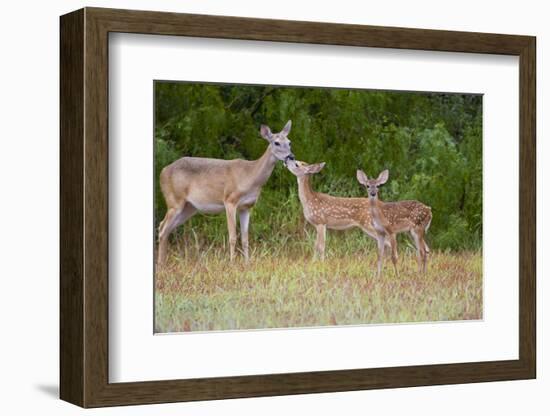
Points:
[(279, 144), (372, 184), (300, 169)]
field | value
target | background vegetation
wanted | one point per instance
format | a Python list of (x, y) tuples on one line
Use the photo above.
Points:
[(431, 143)]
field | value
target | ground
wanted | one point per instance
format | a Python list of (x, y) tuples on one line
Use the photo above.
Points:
[(200, 290)]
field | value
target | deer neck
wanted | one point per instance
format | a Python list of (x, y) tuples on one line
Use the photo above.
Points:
[(262, 168), (305, 192), (375, 205), (376, 212)]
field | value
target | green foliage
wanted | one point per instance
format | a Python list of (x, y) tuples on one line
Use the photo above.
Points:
[(431, 143)]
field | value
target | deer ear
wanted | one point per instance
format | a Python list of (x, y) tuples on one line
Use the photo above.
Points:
[(362, 177), (316, 168), (383, 177), (286, 128), (265, 131)]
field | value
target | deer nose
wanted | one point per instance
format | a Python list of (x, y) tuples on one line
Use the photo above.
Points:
[(291, 156)]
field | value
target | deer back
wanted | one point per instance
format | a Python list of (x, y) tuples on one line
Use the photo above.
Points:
[(336, 212), (405, 215), (208, 183)]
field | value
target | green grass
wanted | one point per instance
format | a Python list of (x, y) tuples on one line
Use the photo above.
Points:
[(283, 286)]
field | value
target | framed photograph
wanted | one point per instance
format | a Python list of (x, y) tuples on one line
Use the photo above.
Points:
[(255, 207)]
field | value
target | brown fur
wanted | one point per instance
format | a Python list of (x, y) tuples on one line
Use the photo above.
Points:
[(326, 211), (193, 184), (391, 218)]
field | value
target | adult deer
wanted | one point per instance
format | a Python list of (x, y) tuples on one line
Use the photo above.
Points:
[(325, 211), (390, 218), (193, 184)]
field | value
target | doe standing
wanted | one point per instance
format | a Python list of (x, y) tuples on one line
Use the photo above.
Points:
[(195, 184)]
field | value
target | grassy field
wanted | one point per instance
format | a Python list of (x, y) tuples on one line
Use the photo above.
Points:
[(199, 290)]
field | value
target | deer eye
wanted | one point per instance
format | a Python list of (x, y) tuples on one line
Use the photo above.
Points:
[(277, 143)]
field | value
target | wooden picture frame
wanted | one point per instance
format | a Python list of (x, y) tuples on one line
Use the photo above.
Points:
[(84, 207)]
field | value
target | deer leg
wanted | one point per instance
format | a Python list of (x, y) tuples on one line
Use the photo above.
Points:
[(231, 212), (244, 217), (163, 235), (394, 257), (425, 249), (173, 218), (161, 225), (420, 249), (320, 242), (381, 240)]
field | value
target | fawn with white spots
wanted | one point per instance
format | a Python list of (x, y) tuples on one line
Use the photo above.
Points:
[(325, 211), (390, 218), (195, 184)]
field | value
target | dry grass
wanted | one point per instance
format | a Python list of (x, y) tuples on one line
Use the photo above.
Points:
[(287, 288)]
